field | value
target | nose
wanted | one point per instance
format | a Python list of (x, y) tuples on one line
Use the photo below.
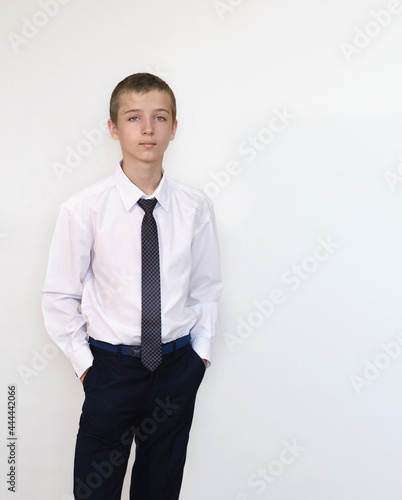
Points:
[(147, 126)]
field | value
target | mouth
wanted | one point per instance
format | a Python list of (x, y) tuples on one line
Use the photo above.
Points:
[(148, 144)]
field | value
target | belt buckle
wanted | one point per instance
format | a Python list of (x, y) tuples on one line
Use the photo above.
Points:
[(135, 352)]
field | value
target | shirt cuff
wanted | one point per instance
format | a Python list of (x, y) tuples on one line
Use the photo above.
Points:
[(203, 347), (82, 360)]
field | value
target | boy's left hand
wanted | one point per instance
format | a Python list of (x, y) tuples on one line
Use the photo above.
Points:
[(205, 363)]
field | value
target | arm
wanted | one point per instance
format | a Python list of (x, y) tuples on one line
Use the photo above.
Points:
[(205, 284), (69, 261)]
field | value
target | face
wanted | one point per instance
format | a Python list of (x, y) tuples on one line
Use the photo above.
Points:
[(144, 127)]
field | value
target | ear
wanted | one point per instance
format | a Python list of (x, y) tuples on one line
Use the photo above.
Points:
[(173, 132), (113, 130)]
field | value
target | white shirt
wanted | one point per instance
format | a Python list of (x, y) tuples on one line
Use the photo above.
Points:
[(93, 281)]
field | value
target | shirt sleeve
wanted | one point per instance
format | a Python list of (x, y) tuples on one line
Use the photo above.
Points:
[(69, 262), (205, 283)]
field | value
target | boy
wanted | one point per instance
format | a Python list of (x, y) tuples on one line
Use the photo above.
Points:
[(131, 297)]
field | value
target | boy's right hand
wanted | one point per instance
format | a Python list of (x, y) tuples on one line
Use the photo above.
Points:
[(83, 375)]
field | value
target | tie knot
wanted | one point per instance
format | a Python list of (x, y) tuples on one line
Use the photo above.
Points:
[(147, 205)]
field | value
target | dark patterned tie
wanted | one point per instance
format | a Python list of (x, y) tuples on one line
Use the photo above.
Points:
[(151, 343)]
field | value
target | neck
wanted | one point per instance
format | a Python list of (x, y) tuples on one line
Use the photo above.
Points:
[(144, 177)]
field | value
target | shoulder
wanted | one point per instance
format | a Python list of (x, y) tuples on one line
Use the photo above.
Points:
[(191, 202), (90, 196), (189, 195)]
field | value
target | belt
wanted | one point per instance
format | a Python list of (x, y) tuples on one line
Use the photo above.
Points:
[(135, 350)]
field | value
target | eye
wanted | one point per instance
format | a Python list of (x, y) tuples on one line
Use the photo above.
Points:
[(133, 119), (160, 118)]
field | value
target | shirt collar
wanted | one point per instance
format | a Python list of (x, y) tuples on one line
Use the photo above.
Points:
[(130, 193)]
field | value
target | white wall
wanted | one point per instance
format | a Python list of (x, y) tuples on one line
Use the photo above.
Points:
[(321, 190)]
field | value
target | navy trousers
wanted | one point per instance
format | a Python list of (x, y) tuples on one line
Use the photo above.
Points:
[(124, 401)]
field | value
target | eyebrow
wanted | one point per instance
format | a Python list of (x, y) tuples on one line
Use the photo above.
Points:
[(139, 110)]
